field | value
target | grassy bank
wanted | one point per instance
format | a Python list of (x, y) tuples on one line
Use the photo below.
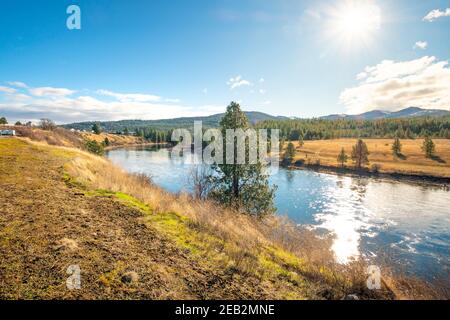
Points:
[(412, 160), (63, 137), (62, 206)]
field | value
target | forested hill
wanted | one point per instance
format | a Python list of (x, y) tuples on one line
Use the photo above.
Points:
[(411, 112), (407, 123), (167, 124), (319, 129)]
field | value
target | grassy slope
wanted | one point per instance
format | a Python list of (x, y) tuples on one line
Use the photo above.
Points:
[(114, 139), (62, 206), (50, 221), (414, 161)]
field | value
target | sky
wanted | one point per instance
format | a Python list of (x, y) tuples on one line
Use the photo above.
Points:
[(164, 59)]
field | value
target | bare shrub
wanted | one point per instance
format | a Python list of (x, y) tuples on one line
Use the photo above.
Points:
[(47, 124), (199, 180)]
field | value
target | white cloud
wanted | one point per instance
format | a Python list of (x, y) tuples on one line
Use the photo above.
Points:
[(262, 91), (205, 90), (237, 82), (261, 80), (421, 45), (173, 100), (50, 91), (7, 89), (391, 86), (129, 97), (17, 84), (63, 106), (267, 102), (436, 14)]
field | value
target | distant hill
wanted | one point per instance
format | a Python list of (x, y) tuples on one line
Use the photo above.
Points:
[(167, 124), (412, 112), (254, 117)]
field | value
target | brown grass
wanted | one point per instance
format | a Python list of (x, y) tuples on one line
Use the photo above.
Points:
[(285, 261), (114, 139), (250, 237), (412, 162)]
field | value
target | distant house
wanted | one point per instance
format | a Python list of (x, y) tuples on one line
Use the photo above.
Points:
[(7, 132)]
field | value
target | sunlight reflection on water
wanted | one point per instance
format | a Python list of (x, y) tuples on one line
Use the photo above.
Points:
[(374, 219)]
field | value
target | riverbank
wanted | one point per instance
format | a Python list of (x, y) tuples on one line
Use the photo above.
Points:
[(134, 240), (432, 181)]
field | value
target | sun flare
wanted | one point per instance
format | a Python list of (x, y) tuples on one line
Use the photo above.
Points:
[(353, 23)]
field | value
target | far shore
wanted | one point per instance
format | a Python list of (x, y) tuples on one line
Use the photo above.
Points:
[(441, 182)]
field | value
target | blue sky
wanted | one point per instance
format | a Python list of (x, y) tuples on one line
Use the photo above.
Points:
[(163, 59)]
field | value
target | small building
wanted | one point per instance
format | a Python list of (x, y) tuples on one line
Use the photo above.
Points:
[(7, 132)]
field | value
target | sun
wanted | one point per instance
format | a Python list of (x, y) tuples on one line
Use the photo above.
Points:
[(354, 22)]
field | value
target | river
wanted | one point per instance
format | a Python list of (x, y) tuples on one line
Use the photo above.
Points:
[(406, 224)]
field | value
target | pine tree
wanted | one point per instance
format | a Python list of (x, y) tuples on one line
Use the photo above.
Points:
[(360, 154), (96, 128), (396, 147), (342, 158), (428, 147), (3, 120), (289, 155), (300, 142), (244, 187)]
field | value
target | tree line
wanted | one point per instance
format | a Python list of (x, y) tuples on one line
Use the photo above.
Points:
[(320, 129)]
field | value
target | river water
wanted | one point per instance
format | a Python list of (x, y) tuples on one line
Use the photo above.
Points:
[(406, 225)]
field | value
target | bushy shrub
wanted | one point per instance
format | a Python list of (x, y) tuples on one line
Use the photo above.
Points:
[(95, 147)]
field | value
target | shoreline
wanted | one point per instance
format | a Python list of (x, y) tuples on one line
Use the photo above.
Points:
[(442, 182), (145, 144)]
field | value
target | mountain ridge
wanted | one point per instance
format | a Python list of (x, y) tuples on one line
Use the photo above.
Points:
[(410, 112), (254, 117)]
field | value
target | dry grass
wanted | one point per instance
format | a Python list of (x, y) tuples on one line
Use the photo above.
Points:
[(413, 161), (285, 261), (114, 139), (248, 241), (66, 138)]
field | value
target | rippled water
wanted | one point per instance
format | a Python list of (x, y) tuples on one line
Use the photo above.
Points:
[(377, 219)]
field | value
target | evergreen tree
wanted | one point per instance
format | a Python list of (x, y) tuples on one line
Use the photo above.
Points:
[(428, 147), (396, 147), (3, 120), (244, 187), (342, 158), (289, 155), (96, 128), (360, 154), (300, 142)]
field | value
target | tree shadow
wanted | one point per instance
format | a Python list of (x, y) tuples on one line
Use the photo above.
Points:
[(437, 159), (401, 156)]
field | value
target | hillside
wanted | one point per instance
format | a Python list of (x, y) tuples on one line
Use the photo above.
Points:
[(412, 112), (253, 116), (62, 207), (62, 137), (167, 124)]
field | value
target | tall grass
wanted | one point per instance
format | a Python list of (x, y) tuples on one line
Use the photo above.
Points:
[(249, 235)]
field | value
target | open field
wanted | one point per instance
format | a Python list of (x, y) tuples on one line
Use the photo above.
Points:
[(62, 206), (412, 162)]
